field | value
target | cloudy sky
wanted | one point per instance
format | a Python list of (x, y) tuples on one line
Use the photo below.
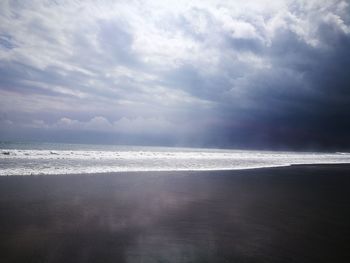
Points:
[(256, 74)]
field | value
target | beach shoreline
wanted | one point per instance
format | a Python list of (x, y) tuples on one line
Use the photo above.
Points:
[(189, 171), (297, 213)]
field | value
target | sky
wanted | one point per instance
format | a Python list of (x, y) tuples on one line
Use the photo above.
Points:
[(232, 74)]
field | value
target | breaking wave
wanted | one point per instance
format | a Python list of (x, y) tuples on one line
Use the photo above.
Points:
[(63, 161)]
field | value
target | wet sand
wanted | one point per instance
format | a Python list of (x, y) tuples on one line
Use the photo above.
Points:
[(286, 214)]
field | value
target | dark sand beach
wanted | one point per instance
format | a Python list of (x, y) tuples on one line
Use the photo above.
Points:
[(286, 214)]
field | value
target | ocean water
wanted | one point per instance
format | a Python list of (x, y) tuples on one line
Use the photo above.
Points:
[(57, 158)]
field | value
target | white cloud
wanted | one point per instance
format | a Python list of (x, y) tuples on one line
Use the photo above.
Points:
[(130, 126)]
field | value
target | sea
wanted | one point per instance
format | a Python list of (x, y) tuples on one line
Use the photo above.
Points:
[(23, 158)]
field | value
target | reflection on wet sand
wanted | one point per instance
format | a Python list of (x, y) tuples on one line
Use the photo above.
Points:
[(296, 214)]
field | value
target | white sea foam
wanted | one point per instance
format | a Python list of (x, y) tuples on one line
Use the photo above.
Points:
[(51, 161)]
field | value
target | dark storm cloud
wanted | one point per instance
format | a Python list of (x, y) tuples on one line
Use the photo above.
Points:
[(311, 104), (301, 100), (240, 74)]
